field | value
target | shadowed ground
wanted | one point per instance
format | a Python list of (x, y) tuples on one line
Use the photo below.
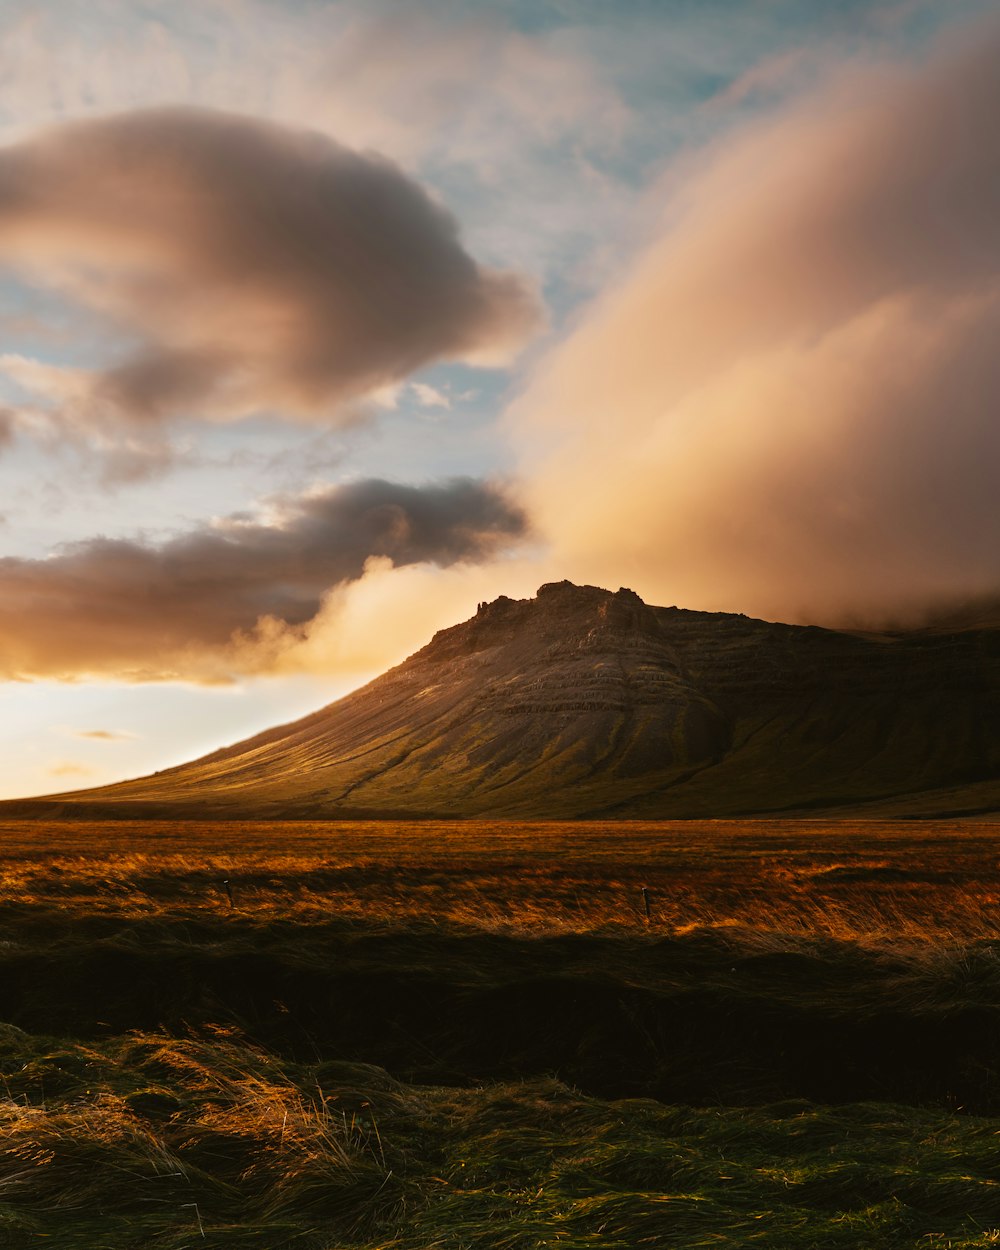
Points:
[(468, 1034)]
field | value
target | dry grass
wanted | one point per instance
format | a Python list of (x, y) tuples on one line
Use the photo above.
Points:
[(199, 1074), (171, 1145), (924, 882), (165, 1138)]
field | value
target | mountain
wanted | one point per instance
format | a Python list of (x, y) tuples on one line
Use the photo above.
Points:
[(587, 703)]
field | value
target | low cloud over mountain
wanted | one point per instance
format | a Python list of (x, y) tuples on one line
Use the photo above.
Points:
[(788, 406)]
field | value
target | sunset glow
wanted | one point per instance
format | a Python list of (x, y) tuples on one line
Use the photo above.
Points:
[(323, 323)]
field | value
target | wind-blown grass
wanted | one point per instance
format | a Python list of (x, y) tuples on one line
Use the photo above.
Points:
[(168, 1144), (160, 1134), (815, 1008), (919, 881)]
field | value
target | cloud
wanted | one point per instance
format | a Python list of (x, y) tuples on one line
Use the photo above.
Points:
[(367, 625), (244, 267), (233, 596), (103, 735), (429, 396), (450, 82), (379, 73), (62, 417), (69, 769), (491, 116), (770, 77), (787, 406)]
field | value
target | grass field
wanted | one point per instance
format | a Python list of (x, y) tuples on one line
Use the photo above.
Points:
[(471, 1036)]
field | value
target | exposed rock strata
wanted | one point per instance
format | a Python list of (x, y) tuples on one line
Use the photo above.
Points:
[(587, 702)]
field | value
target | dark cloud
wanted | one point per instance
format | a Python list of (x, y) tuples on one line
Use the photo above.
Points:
[(142, 611), (251, 266)]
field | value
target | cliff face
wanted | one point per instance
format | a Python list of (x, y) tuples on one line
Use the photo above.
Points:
[(583, 702)]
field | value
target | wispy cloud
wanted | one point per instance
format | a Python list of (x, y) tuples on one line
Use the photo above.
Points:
[(429, 396), (67, 768)]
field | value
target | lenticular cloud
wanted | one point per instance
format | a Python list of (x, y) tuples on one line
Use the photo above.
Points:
[(246, 266)]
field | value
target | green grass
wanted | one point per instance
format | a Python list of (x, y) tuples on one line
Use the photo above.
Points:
[(361, 1054), (131, 1143)]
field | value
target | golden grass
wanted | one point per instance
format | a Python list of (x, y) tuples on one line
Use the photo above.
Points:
[(244, 1152), (926, 882), (246, 1112)]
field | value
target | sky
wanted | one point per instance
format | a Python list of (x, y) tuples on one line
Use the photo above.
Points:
[(321, 322)]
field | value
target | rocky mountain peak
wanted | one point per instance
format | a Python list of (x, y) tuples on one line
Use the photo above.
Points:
[(559, 611), (587, 701)]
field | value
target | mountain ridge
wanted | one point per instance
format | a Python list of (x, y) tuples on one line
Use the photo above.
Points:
[(589, 703)]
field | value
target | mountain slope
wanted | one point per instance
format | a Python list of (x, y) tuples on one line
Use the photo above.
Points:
[(584, 702)]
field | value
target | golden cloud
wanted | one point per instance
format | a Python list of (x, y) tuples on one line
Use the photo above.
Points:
[(787, 407)]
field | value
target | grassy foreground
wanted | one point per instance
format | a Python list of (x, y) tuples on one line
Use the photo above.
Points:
[(420, 1037), (155, 1141)]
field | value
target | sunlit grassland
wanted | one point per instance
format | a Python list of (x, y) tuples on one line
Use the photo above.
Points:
[(469, 1036), (920, 881)]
